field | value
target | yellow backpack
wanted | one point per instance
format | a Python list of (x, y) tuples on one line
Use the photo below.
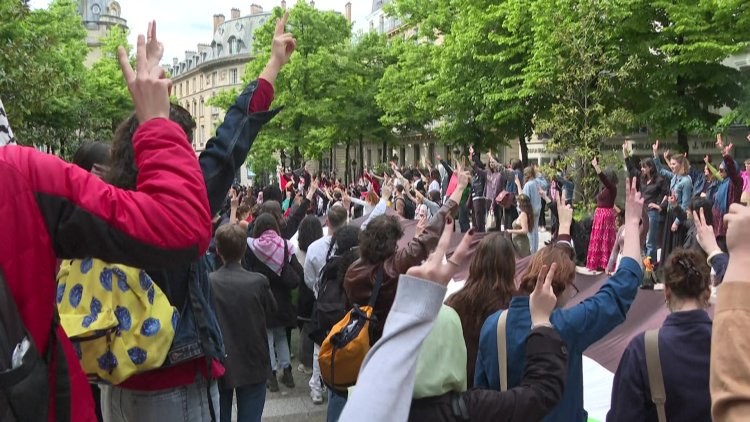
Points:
[(118, 319), (344, 349)]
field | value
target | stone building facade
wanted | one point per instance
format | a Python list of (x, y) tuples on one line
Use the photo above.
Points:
[(99, 16)]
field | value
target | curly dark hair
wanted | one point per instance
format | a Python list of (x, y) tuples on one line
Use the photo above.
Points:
[(379, 240), (122, 169), (687, 274), (310, 230)]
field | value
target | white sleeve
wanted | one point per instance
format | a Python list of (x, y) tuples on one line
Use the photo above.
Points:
[(378, 210), (311, 276), (386, 379)]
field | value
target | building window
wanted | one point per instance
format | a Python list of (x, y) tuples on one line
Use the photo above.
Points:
[(233, 76), (213, 79), (232, 45), (402, 156), (180, 90), (200, 110), (417, 154), (201, 81), (187, 87), (195, 86)]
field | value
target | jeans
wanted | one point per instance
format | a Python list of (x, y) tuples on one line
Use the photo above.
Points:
[(336, 403), (277, 338), (534, 235), (188, 403), (316, 384), (654, 224), (250, 401)]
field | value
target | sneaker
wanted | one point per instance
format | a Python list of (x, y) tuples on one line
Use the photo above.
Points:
[(317, 397), (287, 378), (273, 383), (304, 369)]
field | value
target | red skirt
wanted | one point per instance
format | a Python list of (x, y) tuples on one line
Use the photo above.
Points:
[(603, 237)]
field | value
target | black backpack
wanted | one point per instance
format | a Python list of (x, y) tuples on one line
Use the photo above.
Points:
[(330, 306), (25, 380), (410, 209)]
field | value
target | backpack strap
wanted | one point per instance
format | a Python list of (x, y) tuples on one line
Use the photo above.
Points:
[(502, 350), (376, 288), (62, 375), (655, 377)]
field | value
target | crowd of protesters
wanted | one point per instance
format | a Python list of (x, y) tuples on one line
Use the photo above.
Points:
[(178, 291)]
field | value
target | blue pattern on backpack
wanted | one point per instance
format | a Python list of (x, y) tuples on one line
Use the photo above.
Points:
[(144, 280), (86, 265), (75, 295), (60, 293), (105, 279), (96, 307), (123, 317), (122, 279), (87, 320), (107, 361), (150, 295), (137, 355), (150, 327)]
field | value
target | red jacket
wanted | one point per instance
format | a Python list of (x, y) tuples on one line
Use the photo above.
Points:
[(49, 209)]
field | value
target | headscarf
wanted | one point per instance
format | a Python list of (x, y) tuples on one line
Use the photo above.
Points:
[(269, 248), (6, 134)]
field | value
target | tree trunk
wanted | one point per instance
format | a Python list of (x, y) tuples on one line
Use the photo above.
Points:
[(385, 152), (524, 149), (682, 140), (347, 165), (361, 158)]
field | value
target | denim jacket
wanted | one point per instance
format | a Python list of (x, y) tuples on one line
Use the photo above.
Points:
[(681, 185), (223, 156)]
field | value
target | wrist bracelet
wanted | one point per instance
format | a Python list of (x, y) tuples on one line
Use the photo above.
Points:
[(542, 324)]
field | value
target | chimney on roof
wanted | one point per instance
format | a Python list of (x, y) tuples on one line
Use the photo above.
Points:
[(175, 62), (256, 9), (218, 20), (283, 4), (312, 3), (348, 11), (235, 13)]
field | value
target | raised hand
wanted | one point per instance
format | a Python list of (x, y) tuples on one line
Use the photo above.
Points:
[(564, 215), (706, 159), (154, 48), (738, 231), (633, 202), (421, 226), (719, 141), (283, 44), (655, 148), (595, 162), (149, 90), (435, 268), (543, 300), (727, 150), (704, 233), (667, 154), (471, 151)]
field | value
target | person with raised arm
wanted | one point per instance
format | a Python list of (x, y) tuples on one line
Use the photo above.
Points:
[(729, 190), (604, 228), (579, 326), (681, 189), (53, 209)]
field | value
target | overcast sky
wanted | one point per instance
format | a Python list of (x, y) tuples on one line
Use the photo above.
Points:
[(183, 24)]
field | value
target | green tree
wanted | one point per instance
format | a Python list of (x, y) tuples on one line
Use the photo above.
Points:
[(579, 63), (42, 72), (683, 45), (304, 85), (107, 97)]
